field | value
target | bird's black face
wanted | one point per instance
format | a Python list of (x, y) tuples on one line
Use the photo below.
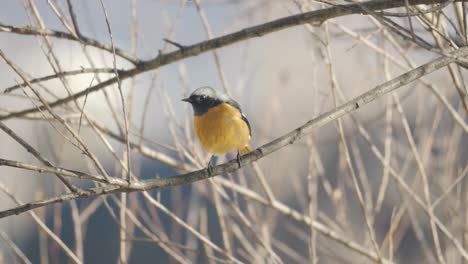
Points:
[(202, 100)]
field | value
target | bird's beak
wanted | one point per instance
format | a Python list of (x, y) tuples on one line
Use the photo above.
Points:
[(187, 100)]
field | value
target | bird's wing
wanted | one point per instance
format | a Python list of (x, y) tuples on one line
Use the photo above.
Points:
[(237, 106)]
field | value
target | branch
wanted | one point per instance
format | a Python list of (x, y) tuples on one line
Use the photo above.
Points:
[(58, 75), (275, 145), (34, 152), (315, 17), (64, 35), (57, 170)]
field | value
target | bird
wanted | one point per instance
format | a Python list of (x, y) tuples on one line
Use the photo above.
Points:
[(219, 123)]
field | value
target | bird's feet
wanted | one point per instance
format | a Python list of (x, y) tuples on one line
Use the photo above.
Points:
[(210, 165), (238, 158)]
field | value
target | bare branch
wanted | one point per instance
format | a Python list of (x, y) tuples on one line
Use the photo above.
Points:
[(260, 152), (314, 17), (64, 35)]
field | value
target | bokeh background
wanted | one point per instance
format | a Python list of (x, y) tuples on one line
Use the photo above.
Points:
[(281, 80)]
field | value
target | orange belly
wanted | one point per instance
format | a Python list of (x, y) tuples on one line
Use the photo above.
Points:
[(221, 129)]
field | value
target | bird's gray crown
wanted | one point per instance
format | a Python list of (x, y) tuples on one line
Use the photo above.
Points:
[(209, 92), (204, 98)]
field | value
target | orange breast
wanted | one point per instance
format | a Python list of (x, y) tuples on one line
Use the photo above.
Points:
[(221, 129)]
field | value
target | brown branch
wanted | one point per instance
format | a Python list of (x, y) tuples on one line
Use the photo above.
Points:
[(315, 17), (260, 152), (64, 35), (178, 45)]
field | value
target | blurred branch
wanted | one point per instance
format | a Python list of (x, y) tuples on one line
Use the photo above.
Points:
[(416, 13), (44, 228), (315, 17), (35, 153), (14, 248), (82, 146), (55, 170), (60, 74), (74, 19)]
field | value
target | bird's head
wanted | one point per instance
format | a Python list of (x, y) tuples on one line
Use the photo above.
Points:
[(204, 98)]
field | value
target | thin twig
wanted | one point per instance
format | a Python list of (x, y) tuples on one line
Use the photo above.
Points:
[(64, 35), (119, 85)]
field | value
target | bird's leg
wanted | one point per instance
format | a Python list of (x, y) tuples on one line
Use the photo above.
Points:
[(238, 157), (210, 165)]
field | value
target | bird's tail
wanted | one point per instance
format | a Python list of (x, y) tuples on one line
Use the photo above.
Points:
[(245, 150)]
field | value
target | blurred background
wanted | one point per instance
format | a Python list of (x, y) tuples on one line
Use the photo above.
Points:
[(279, 209)]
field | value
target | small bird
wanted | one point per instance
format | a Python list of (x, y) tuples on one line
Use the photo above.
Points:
[(219, 123)]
